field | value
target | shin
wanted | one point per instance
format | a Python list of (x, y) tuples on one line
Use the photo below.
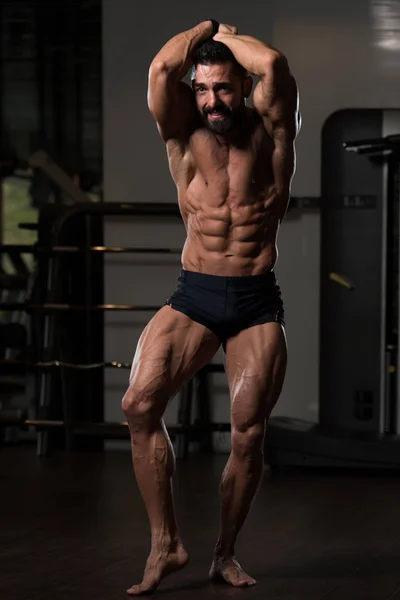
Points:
[(239, 484), (153, 460)]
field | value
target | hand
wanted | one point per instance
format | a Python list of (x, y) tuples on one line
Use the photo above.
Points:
[(222, 37), (227, 29)]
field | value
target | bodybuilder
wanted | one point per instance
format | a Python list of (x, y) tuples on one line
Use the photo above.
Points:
[(232, 166)]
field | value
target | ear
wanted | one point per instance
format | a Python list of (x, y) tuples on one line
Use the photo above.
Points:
[(248, 86)]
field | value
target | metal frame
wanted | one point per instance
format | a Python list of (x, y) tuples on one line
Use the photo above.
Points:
[(388, 147), (385, 357), (185, 430)]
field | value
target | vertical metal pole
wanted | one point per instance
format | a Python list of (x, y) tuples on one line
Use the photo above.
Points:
[(385, 359), (66, 408), (42, 448), (88, 315), (392, 302), (395, 408)]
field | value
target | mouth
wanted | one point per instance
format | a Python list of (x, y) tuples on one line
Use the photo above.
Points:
[(216, 116)]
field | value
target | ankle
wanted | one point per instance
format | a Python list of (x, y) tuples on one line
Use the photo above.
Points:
[(164, 541), (223, 551)]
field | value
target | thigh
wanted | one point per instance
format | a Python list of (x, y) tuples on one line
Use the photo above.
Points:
[(255, 365), (170, 350)]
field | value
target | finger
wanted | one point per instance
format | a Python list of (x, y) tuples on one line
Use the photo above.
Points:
[(223, 28), (232, 29)]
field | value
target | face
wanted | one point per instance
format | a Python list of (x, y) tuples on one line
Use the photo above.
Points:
[(220, 96)]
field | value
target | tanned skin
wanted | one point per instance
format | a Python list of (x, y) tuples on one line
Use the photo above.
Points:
[(233, 167)]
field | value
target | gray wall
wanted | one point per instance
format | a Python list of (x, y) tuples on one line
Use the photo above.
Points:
[(342, 57)]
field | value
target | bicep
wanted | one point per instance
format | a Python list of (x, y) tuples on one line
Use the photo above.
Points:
[(171, 103), (276, 99)]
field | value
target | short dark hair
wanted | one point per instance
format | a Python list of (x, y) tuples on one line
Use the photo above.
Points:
[(212, 52)]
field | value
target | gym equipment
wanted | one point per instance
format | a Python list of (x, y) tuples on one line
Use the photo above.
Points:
[(36, 250), (50, 315), (51, 308), (184, 431), (359, 419), (47, 308), (41, 160)]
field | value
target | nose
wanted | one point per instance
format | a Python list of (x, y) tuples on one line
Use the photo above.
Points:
[(212, 100)]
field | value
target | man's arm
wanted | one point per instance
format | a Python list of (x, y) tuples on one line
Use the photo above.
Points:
[(251, 53), (275, 98), (170, 100)]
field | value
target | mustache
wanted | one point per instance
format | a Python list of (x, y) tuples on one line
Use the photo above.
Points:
[(223, 110)]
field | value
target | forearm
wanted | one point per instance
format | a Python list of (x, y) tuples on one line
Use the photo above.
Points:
[(255, 56), (176, 55)]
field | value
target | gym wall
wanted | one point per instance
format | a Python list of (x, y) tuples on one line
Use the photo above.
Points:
[(341, 59)]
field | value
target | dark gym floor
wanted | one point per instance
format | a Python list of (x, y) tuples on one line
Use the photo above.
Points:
[(75, 527)]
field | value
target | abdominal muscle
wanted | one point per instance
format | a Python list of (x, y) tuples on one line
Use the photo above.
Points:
[(229, 204), (230, 241)]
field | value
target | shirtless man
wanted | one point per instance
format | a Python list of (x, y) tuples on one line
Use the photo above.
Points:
[(233, 167)]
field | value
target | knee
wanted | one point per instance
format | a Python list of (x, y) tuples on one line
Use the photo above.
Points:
[(141, 406), (248, 440)]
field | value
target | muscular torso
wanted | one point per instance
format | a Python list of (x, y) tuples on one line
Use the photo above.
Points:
[(228, 201)]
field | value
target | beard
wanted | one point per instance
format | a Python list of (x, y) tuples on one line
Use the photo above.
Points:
[(228, 121)]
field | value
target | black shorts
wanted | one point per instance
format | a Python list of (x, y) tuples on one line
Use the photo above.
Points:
[(227, 305)]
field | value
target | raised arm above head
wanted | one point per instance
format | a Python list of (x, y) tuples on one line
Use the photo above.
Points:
[(176, 55), (276, 95), (170, 100), (275, 98)]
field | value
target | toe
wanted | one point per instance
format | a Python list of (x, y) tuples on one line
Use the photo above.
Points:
[(243, 581), (133, 591), (138, 590), (240, 583)]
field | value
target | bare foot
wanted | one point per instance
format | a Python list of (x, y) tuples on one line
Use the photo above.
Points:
[(229, 570), (160, 563)]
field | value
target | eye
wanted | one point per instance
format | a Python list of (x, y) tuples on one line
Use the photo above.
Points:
[(226, 89)]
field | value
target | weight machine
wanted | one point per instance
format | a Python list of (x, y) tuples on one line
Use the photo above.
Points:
[(359, 420)]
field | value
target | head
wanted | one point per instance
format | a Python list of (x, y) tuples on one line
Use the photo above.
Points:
[(221, 86)]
